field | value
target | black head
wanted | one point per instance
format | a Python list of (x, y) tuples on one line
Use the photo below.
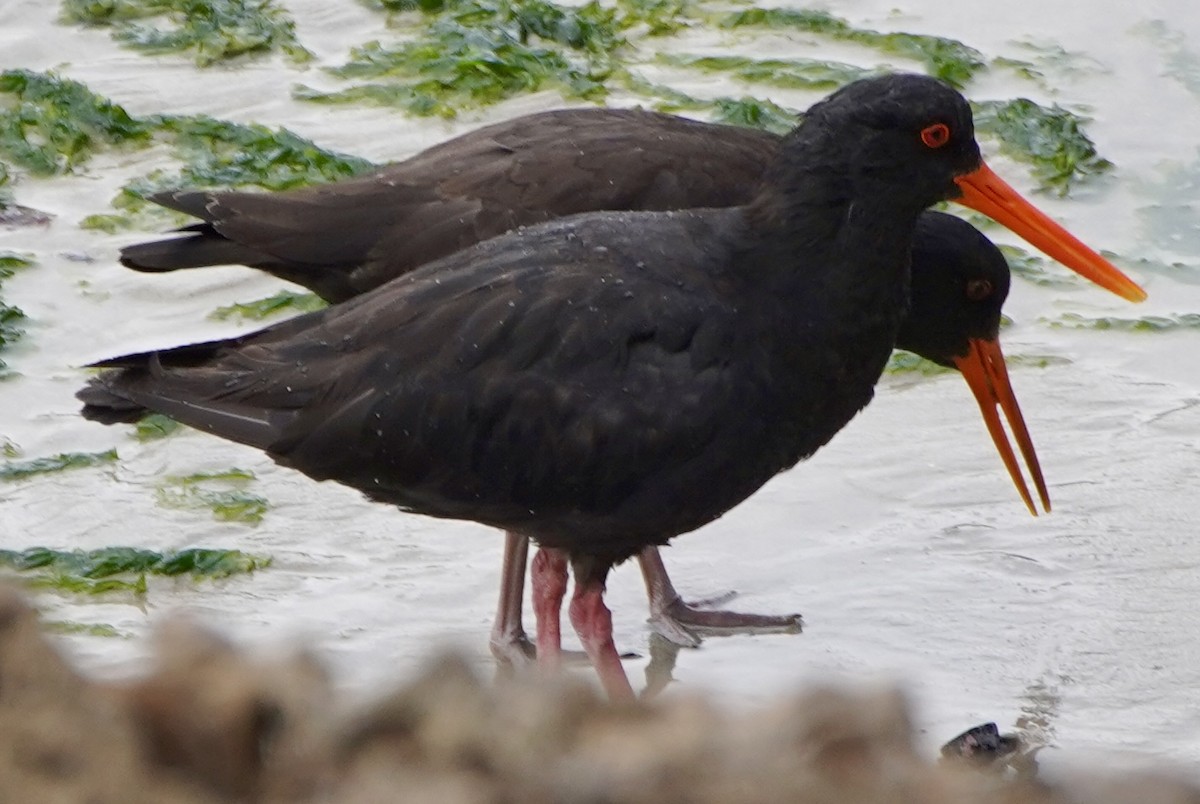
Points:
[(959, 283), (910, 133)]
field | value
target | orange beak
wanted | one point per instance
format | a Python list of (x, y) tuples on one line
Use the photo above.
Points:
[(984, 370), (984, 191)]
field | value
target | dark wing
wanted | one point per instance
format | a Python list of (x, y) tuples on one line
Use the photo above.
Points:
[(532, 379), (343, 238)]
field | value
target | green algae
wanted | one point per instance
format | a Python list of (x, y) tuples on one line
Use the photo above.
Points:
[(1042, 57), (51, 125), (72, 628), (813, 74), (1187, 273), (218, 153), (1052, 140), (481, 52), (1033, 268), (746, 111), (1182, 63), (285, 301), (21, 470), (6, 194), (1149, 323), (12, 330), (221, 153), (211, 31), (222, 493), (12, 318), (123, 569), (657, 17), (154, 426), (1036, 361), (904, 363), (754, 113), (907, 363), (947, 59), (470, 53)]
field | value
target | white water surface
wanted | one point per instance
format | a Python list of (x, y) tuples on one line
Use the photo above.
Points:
[(902, 542)]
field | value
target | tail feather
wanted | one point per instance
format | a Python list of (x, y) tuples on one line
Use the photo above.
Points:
[(201, 248), (103, 404), (184, 390)]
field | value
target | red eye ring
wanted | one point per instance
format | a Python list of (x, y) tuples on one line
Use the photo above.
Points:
[(979, 289), (935, 136)]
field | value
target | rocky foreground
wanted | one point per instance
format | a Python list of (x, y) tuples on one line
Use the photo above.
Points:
[(209, 724)]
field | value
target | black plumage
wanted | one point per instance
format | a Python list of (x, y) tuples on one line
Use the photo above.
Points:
[(348, 237), (609, 380), (562, 340), (344, 238)]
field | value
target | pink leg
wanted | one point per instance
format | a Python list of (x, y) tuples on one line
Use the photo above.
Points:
[(671, 617), (593, 623), (549, 587), (509, 643)]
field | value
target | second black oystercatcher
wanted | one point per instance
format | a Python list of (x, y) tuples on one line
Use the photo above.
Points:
[(960, 281), (348, 237), (611, 380)]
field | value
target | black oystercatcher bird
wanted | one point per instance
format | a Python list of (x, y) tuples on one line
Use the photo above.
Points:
[(960, 281), (351, 236), (345, 238), (610, 380)]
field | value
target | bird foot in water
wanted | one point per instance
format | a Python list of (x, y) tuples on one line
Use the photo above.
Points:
[(517, 652), (682, 623), (513, 650)]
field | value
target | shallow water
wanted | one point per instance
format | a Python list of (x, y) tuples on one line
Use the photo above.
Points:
[(902, 542)]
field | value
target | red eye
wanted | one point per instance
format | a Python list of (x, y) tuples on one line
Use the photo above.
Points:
[(935, 136), (978, 289)]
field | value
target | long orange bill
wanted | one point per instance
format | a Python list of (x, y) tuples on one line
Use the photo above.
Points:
[(984, 370), (984, 191)]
